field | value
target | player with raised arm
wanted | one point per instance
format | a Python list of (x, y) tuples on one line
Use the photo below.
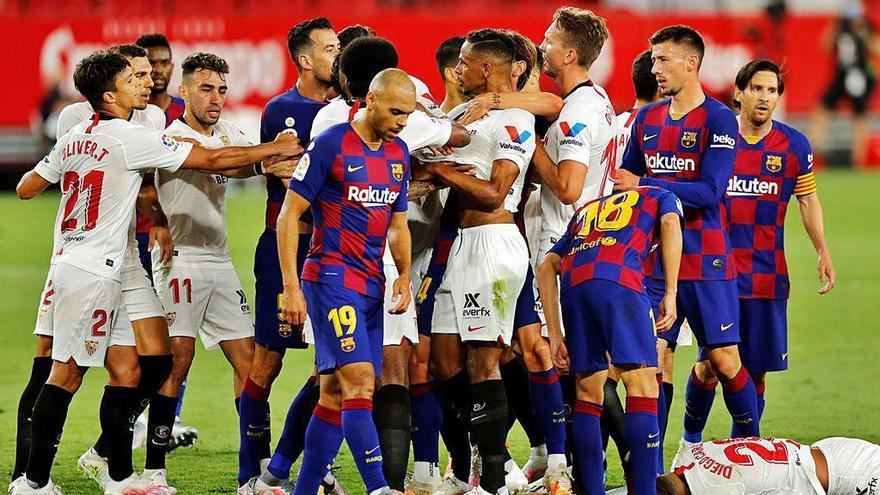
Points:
[(601, 258), (489, 257), (775, 466), (773, 163), (354, 177), (686, 144), (312, 46), (102, 159)]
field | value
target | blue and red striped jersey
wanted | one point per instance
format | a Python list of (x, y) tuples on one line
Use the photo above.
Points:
[(692, 156), (353, 192), (289, 110), (766, 174), (174, 110), (610, 238)]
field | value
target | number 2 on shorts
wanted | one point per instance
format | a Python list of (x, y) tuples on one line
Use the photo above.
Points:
[(343, 316)]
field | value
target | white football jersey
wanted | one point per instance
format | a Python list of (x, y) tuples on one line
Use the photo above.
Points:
[(151, 117), (585, 133), (747, 466), (195, 202), (499, 135), (421, 129), (424, 98), (98, 164)]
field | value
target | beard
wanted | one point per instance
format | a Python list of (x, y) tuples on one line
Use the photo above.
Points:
[(670, 91)]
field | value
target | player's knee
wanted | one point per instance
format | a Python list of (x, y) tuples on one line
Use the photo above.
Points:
[(44, 346), (759, 378), (481, 367), (67, 376), (640, 382), (537, 357), (724, 362), (444, 368)]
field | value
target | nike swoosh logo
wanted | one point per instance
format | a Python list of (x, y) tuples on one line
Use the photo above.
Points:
[(354, 169), (559, 413), (368, 452), (784, 356), (649, 137), (724, 328), (478, 417), (655, 435), (474, 329)]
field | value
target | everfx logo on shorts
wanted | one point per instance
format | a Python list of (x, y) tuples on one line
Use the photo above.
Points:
[(472, 307)]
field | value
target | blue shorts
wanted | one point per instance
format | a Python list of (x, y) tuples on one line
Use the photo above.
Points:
[(425, 297), (270, 330), (348, 326), (602, 316), (525, 304), (764, 333), (710, 306), (143, 242)]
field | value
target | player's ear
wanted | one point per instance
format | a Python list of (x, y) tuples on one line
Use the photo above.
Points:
[(181, 91), (371, 100), (305, 61), (449, 73)]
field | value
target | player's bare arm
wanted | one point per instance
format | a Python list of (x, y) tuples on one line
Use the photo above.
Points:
[(566, 180), (485, 195), (671, 240), (31, 185), (459, 136), (400, 245), (813, 220), (547, 105), (231, 157), (148, 204), (548, 288), (293, 309)]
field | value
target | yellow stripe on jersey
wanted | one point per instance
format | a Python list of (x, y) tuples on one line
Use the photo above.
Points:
[(806, 184)]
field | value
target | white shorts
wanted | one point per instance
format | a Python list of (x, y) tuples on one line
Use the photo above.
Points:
[(204, 299), (853, 465), (486, 271), (85, 306), (139, 301), (46, 310), (402, 326), (421, 261)]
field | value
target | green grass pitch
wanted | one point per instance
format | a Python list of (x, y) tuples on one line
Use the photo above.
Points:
[(830, 390)]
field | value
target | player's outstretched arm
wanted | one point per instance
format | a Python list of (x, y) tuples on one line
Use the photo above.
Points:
[(231, 157), (814, 224), (547, 105), (293, 308), (400, 245), (459, 137), (490, 193), (670, 241), (548, 288), (31, 185), (566, 180)]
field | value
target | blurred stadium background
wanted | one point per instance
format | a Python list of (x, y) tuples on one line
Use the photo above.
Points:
[(828, 390)]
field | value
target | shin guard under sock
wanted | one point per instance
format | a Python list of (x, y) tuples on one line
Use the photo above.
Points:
[(488, 421), (39, 374), (391, 413)]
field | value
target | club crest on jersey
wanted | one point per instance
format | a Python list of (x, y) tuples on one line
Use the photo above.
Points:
[(169, 142), (397, 171), (688, 139), (347, 344), (516, 136), (91, 347), (170, 317), (571, 130), (224, 140), (773, 163)]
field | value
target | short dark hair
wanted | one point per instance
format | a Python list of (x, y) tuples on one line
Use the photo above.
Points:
[(582, 30), (494, 42), (206, 61), (681, 35), (363, 59), (153, 40), (351, 33), (298, 38), (447, 54), (524, 51), (129, 51), (748, 71), (665, 485), (644, 81), (96, 74)]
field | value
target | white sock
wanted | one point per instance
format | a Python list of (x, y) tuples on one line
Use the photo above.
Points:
[(426, 471), (555, 461), (539, 451), (379, 491)]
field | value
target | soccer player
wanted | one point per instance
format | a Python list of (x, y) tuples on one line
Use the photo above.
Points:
[(354, 177), (775, 466), (686, 144), (312, 46), (159, 52), (102, 158), (489, 258), (199, 287), (773, 162), (446, 57), (601, 257)]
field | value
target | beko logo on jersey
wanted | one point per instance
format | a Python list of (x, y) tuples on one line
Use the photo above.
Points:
[(722, 141), (660, 164), (372, 197), (738, 186)]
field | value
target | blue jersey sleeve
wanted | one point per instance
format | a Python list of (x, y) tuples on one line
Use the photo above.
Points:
[(314, 167), (563, 245), (716, 165), (265, 121), (401, 203), (633, 159), (668, 203)]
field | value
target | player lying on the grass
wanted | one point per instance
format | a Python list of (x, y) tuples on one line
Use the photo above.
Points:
[(773, 163), (775, 466), (601, 257), (102, 158), (354, 177)]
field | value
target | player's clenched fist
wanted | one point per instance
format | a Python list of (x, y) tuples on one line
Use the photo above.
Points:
[(401, 295), (289, 144), (280, 167), (293, 309)]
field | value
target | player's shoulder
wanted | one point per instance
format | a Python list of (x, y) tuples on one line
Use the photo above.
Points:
[(154, 117), (795, 137), (515, 115), (180, 128), (71, 115), (331, 136), (716, 110), (661, 107), (176, 100), (228, 127)]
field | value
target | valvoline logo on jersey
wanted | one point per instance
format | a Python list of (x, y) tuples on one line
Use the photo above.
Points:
[(571, 130), (370, 196), (516, 136)]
